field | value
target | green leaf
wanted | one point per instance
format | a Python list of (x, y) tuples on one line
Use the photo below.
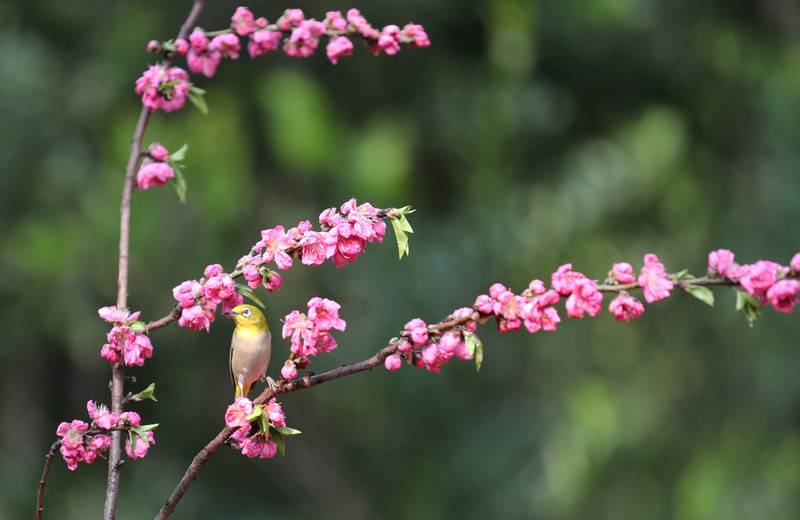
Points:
[(474, 347), (147, 393), (138, 326), (277, 436), (285, 430), (263, 423), (402, 238), (683, 275), (751, 306), (248, 293), (197, 99), (146, 428), (405, 225), (258, 411), (180, 154), (168, 45), (179, 183), (132, 438), (704, 294)]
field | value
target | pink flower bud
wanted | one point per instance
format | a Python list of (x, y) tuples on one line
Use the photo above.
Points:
[(623, 273), (393, 362), (153, 46), (273, 281), (625, 307), (181, 46), (338, 48), (795, 264), (783, 295), (154, 174), (289, 370), (236, 414), (418, 331), (720, 262), (158, 152), (655, 281), (484, 304), (243, 21)]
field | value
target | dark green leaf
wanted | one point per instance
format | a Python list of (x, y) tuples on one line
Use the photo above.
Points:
[(751, 306), (277, 436), (147, 393), (248, 293), (258, 411), (704, 294), (132, 438)]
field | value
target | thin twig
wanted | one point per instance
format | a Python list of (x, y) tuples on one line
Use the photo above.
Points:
[(117, 371), (48, 461)]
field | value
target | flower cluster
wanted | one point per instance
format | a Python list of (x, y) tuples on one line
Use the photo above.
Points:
[(310, 333), (163, 88), (167, 88), (83, 442), (767, 281), (343, 235), (259, 428), (128, 342), (199, 300), (426, 347), (155, 169)]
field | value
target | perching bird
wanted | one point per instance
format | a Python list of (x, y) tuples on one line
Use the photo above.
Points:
[(251, 348)]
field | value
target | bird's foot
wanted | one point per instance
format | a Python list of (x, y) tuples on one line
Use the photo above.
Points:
[(271, 384)]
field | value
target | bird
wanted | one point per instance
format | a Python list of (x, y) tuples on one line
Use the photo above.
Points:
[(251, 348)]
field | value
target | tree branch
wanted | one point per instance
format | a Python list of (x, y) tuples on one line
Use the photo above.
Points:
[(284, 387), (117, 370), (48, 461)]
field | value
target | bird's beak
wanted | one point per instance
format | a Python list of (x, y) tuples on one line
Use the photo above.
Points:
[(228, 314)]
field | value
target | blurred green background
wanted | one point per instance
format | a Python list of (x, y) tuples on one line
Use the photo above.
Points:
[(530, 134)]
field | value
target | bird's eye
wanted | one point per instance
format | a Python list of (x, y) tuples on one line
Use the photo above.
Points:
[(246, 313)]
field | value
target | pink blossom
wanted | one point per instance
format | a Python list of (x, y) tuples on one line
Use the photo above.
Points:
[(227, 45), (720, 262), (291, 18), (508, 307), (496, 289), (334, 21), (433, 357), (418, 331), (393, 362), (360, 24), (252, 275), (187, 292), (389, 41), (537, 287), (163, 88), (538, 313), (783, 295), (452, 343), (331, 218), (142, 445), (625, 307), (196, 318), (795, 263), (403, 346), (232, 301), (289, 370), (101, 442), (110, 354), (415, 35), (302, 332), (304, 39), (258, 446), (759, 277), (117, 315), (622, 273), (338, 48), (347, 247), (237, 413), (325, 342), (297, 232), (324, 313), (202, 57), (154, 174), (484, 304), (72, 449), (317, 247), (275, 414), (655, 281), (274, 242), (241, 433), (153, 46), (243, 21), (564, 279), (102, 416), (262, 42), (135, 352), (364, 221), (131, 418), (212, 270), (218, 288), (585, 298), (464, 313), (119, 339), (158, 152), (273, 281), (181, 46)]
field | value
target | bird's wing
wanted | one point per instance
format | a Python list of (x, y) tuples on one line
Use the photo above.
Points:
[(230, 361)]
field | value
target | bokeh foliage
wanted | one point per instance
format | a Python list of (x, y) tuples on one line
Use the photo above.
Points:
[(531, 133)]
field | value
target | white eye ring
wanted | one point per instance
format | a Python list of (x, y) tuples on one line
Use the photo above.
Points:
[(246, 313)]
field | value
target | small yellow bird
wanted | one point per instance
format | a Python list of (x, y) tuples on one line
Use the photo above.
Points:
[(251, 348)]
